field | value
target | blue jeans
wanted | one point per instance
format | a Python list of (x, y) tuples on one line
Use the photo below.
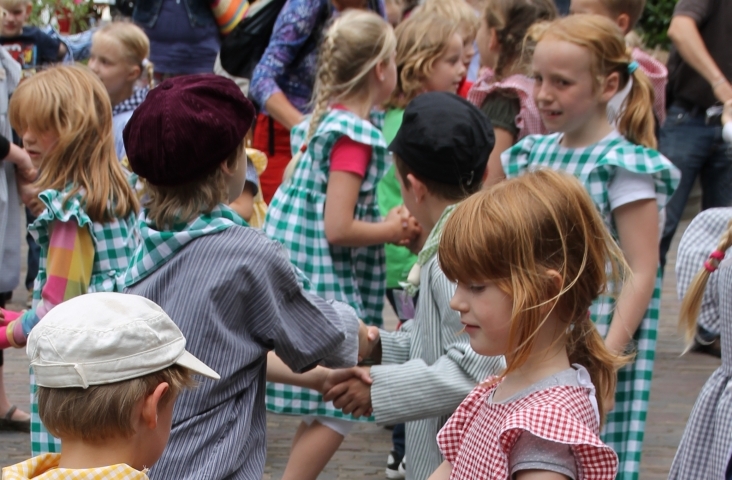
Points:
[(697, 149)]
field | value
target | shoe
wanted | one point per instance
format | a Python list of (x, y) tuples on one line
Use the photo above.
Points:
[(403, 467), (713, 347), (8, 424), (394, 465)]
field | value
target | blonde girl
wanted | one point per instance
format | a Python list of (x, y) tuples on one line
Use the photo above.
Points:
[(119, 55), (326, 213), (87, 229), (504, 90), (704, 281), (541, 418), (579, 63)]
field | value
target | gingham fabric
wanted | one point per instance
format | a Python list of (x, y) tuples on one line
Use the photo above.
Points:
[(158, 246), (295, 218), (706, 446), (45, 467), (114, 243), (528, 121), (699, 240), (478, 438), (595, 167)]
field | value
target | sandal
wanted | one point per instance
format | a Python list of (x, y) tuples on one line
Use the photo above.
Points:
[(7, 423)]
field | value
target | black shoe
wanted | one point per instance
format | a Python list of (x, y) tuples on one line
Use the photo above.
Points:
[(713, 347), (392, 466)]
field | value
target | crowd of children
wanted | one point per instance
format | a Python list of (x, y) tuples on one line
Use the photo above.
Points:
[(511, 218)]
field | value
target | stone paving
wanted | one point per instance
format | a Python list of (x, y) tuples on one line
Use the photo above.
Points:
[(677, 381)]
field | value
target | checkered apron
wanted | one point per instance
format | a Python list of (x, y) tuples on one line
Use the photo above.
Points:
[(114, 243), (478, 438), (595, 167), (295, 218), (706, 446)]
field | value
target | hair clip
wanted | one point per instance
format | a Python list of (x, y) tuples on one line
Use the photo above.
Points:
[(632, 67), (712, 262), (145, 62)]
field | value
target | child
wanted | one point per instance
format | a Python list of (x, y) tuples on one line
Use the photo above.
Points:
[(87, 231), (541, 417), (461, 12), (109, 368), (332, 195), (503, 91), (119, 57), (705, 448), (580, 62), (626, 13), (427, 368), (29, 46), (232, 291)]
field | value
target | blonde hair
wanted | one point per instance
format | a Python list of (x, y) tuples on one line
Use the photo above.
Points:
[(511, 19), (357, 41), (170, 205), (692, 301), (135, 43), (10, 4), (102, 412), (632, 8), (543, 220), (421, 40), (609, 53), (458, 11), (71, 102)]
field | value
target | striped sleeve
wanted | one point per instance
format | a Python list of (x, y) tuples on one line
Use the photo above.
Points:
[(69, 266)]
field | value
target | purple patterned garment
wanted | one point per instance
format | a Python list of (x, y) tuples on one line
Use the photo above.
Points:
[(275, 71)]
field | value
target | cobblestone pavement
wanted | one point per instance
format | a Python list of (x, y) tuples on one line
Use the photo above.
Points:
[(677, 381)]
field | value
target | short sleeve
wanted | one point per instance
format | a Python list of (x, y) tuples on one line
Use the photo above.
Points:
[(628, 187), (451, 435), (502, 110), (699, 10), (515, 160), (534, 453), (348, 155)]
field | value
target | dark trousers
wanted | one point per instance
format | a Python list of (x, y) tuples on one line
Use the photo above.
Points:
[(34, 255)]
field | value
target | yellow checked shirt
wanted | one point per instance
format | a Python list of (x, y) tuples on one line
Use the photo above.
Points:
[(45, 467)]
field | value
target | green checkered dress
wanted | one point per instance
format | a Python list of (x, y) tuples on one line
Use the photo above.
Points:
[(595, 167), (114, 243), (295, 218)]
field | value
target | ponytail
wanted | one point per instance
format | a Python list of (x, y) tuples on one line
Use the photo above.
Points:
[(148, 69), (693, 299), (636, 121)]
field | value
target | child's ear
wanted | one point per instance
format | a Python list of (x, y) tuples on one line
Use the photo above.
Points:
[(610, 86), (494, 44), (417, 188), (623, 22), (29, 9), (151, 405), (380, 71), (135, 73), (227, 169)]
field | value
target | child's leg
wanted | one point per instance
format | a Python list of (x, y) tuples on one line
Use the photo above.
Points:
[(313, 447)]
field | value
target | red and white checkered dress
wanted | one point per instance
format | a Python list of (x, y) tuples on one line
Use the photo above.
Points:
[(528, 121), (478, 438)]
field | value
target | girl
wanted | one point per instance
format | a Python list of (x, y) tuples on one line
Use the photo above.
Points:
[(579, 64), (326, 213), (503, 91), (541, 418), (87, 231), (705, 448), (119, 58)]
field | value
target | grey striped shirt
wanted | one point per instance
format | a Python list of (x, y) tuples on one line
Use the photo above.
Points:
[(234, 295), (427, 369)]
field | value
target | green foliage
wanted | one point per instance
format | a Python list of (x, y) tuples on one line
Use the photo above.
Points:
[(48, 11), (654, 23)]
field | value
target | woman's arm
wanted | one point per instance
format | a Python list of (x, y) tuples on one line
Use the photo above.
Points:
[(343, 230), (280, 108), (443, 471), (637, 225)]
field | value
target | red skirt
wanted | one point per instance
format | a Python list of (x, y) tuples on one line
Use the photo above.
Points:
[(272, 138)]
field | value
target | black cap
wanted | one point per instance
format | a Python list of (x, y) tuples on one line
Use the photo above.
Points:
[(444, 138)]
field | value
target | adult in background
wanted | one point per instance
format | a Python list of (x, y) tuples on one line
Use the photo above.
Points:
[(699, 70), (184, 36), (282, 83)]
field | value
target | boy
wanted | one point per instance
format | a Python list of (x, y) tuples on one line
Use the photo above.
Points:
[(109, 367), (427, 368), (626, 13), (232, 291), (29, 46)]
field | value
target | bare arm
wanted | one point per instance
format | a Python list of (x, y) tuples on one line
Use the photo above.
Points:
[(280, 108), (685, 36), (637, 225), (319, 378), (443, 471), (343, 230), (504, 141)]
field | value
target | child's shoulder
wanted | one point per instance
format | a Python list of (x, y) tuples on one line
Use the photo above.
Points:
[(338, 122)]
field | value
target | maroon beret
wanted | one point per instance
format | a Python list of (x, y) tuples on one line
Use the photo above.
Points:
[(186, 127)]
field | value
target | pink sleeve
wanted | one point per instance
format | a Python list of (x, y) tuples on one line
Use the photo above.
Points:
[(350, 156)]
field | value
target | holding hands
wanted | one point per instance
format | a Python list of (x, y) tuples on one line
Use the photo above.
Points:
[(352, 394), (405, 229)]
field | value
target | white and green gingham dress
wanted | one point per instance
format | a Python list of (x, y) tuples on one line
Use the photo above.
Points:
[(595, 167), (114, 243), (295, 218)]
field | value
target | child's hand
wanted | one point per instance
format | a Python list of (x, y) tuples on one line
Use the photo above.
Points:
[(727, 112), (29, 196), (368, 337), (337, 376), (404, 227), (352, 396)]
